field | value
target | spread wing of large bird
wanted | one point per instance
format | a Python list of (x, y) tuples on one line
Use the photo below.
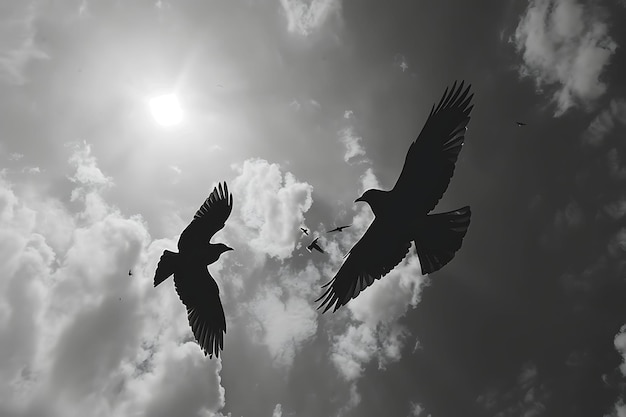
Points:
[(208, 220), (427, 170), (198, 290), (431, 158)]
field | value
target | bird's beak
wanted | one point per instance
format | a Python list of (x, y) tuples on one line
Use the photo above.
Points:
[(229, 248), (358, 199)]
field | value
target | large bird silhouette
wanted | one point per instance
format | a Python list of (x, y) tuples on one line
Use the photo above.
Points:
[(401, 214), (194, 284)]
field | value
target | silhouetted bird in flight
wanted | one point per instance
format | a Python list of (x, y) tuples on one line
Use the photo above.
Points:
[(306, 232), (315, 246), (520, 124), (130, 274), (401, 214), (338, 229), (195, 286)]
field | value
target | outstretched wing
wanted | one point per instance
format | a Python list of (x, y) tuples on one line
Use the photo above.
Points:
[(209, 218), (199, 292), (430, 161), (370, 259)]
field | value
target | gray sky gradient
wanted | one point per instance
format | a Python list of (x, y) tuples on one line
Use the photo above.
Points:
[(301, 106)]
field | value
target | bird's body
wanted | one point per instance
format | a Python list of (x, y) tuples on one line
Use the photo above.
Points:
[(338, 229), (315, 245), (194, 284), (402, 214), (520, 124)]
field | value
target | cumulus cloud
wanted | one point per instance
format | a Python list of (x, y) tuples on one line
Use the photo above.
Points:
[(565, 44), (620, 345), (282, 314), (17, 42), (78, 336), (619, 409), (352, 349), (605, 122), (352, 143), (303, 18), (271, 206)]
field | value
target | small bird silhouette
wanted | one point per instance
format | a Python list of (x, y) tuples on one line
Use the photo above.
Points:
[(194, 284), (315, 246), (130, 274), (338, 229), (401, 214), (520, 124), (306, 232)]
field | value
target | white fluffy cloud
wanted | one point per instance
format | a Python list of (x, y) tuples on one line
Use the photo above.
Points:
[(352, 144), (565, 44), (271, 206), (620, 345), (303, 18), (78, 336), (283, 316), (619, 410)]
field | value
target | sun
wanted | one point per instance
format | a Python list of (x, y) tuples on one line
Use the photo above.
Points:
[(166, 110)]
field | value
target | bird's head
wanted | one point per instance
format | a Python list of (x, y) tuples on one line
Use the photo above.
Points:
[(366, 197), (375, 198), (223, 248)]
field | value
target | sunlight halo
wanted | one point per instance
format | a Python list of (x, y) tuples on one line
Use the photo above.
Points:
[(166, 110)]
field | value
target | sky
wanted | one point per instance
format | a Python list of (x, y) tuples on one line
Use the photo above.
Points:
[(300, 106)]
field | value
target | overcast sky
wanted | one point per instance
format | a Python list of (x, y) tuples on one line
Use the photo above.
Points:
[(300, 106)]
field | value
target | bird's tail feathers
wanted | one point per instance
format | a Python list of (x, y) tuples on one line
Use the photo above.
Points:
[(441, 237), (166, 267)]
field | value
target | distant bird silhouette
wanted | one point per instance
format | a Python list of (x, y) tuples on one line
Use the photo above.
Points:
[(194, 284), (306, 232), (401, 214), (130, 274), (520, 124), (338, 229), (315, 246)]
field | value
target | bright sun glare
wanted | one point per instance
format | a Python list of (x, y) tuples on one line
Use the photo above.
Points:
[(166, 110)]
